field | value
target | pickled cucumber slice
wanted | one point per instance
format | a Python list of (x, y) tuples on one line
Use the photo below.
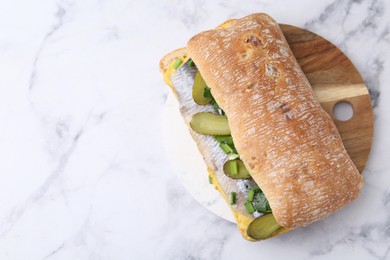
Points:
[(263, 227), (280, 231), (242, 171), (210, 124), (198, 90)]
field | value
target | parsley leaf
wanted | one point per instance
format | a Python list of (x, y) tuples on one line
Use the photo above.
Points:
[(260, 203), (207, 93)]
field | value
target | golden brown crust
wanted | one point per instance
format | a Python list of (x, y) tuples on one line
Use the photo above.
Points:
[(287, 141), (168, 58)]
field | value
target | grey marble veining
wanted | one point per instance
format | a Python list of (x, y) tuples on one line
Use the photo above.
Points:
[(84, 173), (361, 23)]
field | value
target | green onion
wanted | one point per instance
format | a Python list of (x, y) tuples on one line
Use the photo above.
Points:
[(191, 63), (232, 198), (233, 168), (227, 139), (226, 148), (177, 63), (210, 179), (251, 194), (233, 156), (249, 207)]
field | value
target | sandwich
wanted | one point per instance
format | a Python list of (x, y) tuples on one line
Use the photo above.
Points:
[(272, 152)]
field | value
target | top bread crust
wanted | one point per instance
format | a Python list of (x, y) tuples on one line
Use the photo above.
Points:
[(289, 144)]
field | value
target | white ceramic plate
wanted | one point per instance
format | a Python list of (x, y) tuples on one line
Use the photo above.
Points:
[(188, 163)]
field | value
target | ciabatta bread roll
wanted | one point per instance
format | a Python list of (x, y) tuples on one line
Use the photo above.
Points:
[(287, 142)]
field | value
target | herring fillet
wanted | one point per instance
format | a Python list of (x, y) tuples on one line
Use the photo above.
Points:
[(183, 81)]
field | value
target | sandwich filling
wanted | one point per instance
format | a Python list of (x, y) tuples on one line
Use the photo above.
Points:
[(210, 129), (216, 124)]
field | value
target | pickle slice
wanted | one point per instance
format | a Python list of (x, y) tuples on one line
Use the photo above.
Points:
[(210, 124), (263, 227), (280, 231), (242, 171), (198, 90)]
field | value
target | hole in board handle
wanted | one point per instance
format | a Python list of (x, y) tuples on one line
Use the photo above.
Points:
[(343, 110)]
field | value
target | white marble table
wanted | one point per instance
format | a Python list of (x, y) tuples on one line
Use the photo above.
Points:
[(83, 170)]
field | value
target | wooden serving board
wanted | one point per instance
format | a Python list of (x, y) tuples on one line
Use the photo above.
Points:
[(334, 79)]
